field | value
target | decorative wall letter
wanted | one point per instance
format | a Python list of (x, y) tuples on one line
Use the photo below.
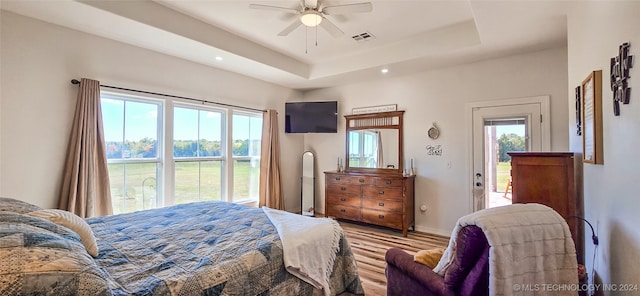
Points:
[(435, 150)]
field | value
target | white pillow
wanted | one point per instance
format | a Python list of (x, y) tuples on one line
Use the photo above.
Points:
[(73, 222)]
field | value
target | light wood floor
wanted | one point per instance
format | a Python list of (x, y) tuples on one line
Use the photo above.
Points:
[(370, 243)]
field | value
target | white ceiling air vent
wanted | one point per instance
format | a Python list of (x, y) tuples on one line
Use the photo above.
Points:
[(362, 37)]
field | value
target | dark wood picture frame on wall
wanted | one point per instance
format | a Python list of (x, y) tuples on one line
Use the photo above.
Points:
[(578, 112), (592, 118)]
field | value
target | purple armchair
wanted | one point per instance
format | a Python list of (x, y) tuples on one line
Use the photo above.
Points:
[(467, 275)]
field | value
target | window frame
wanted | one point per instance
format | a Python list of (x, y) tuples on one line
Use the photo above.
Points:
[(199, 159), (165, 161), (233, 158), (158, 160)]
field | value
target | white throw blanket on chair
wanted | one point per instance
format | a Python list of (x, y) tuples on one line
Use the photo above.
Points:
[(530, 249), (309, 245)]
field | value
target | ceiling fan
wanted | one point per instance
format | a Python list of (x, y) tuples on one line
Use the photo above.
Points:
[(313, 13)]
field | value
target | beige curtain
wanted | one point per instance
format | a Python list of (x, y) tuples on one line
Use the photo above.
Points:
[(379, 154), (85, 186), (270, 183)]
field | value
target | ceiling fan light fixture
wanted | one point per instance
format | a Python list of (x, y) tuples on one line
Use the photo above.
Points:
[(310, 18)]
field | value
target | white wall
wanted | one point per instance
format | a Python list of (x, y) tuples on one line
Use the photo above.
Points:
[(441, 96), (37, 100), (611, 199), (0, 109)]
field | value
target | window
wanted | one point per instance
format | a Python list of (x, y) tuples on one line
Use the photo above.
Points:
[(209, 155), (132, 134), (247, 135), (197, 151)]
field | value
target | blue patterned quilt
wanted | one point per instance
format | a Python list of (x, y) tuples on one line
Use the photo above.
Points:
[(206, 248)]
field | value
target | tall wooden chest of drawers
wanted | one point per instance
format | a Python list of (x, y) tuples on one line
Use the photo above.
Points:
[(380, 199), (555, 180)]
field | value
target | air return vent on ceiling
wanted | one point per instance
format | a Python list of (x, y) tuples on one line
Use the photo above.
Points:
[(362, 37)]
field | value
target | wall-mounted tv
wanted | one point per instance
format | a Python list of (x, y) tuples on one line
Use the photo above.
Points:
[(311, 117)]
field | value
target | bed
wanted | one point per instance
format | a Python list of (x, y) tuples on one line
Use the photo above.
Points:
[(206, 248)]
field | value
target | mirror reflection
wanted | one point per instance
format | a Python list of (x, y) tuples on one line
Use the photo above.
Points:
[(374, 148)]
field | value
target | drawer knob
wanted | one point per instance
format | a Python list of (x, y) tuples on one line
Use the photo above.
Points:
[(381, 192), (381, 204), (381, 216), (343, 188), (343, 199), (361, 180), (342, 210), (337, 178), (388, 182)]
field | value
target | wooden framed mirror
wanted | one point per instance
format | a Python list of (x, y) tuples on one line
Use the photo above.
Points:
[(374, 142)]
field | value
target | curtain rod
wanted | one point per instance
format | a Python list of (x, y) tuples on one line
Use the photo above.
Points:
[(76, 81)]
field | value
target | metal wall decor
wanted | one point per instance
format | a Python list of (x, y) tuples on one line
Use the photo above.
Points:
[(578, 112), (620, 66), (435, 150), (433, 132)]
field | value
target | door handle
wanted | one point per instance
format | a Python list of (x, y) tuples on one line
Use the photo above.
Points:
[(381, 204)]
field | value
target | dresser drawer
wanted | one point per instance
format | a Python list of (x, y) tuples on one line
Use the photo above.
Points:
[(343, 212), (382, 192), (337, 179), (343, 189), (388, 182), (353, 201), (362, 180), (388, 205), (381, 218)]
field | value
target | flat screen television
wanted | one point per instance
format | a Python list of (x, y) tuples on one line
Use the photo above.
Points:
[(311, 117)]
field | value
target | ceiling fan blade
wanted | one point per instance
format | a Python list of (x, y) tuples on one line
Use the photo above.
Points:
[(331, 28), (290, 28), (277, 8), (348, 8)]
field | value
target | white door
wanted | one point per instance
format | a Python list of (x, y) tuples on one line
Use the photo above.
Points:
[(530, 112)]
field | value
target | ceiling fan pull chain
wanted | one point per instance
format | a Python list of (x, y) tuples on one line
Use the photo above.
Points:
[(316, 36)]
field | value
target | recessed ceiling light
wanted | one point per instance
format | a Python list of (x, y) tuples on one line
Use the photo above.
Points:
[(384, 71), (218, 58)]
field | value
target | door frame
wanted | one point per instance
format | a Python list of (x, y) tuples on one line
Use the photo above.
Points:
[(545, 131)]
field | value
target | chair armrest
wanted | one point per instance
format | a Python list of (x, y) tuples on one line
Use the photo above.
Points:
[(421, 273)]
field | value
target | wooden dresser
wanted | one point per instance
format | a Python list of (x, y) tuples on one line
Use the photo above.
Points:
[(380, 199), (555, 180)]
